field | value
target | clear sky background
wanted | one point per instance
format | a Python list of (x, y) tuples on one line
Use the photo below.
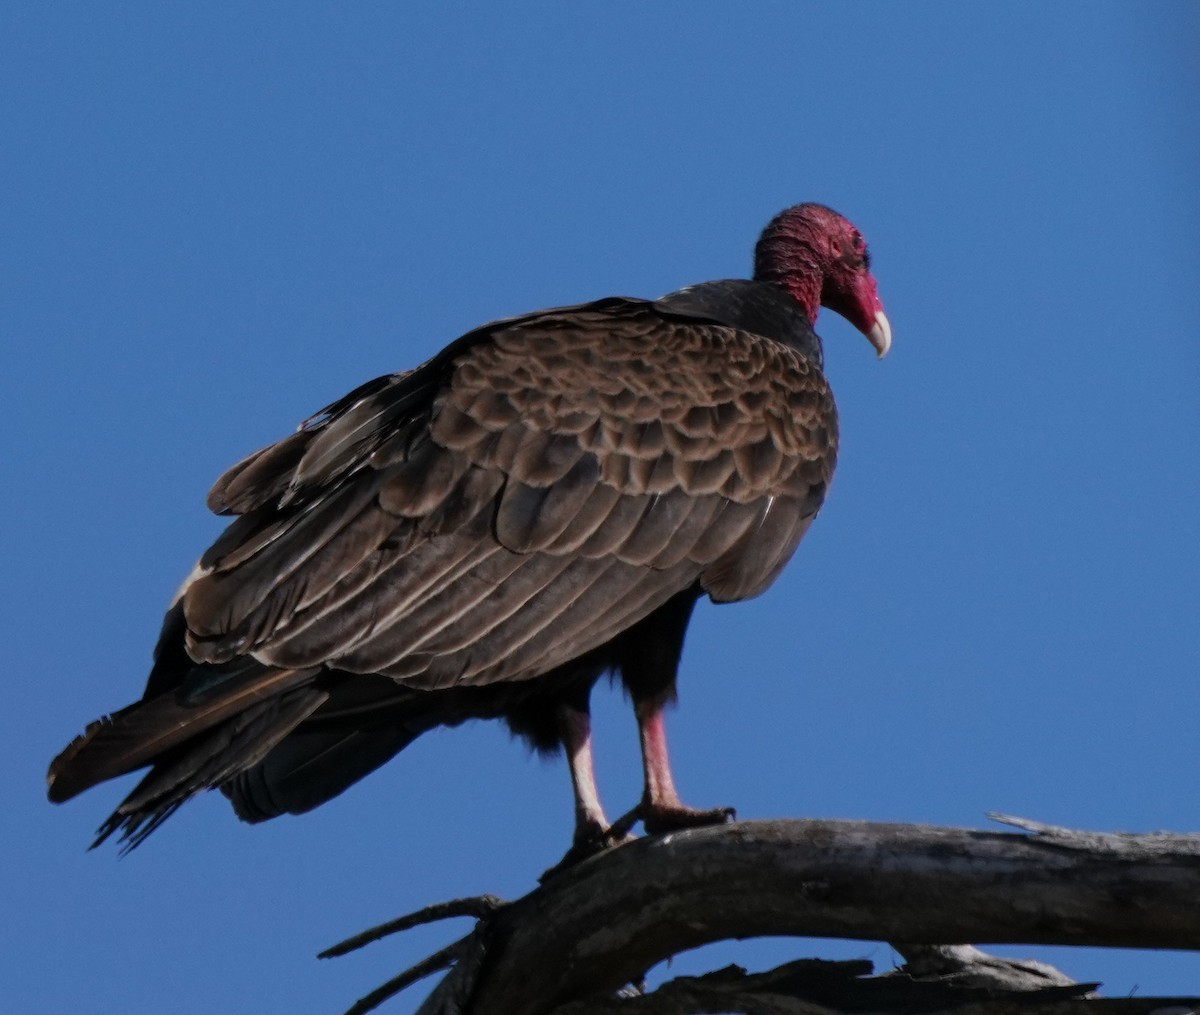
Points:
[(217, 218)]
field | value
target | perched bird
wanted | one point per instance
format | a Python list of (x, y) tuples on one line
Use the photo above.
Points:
[(486, 535)]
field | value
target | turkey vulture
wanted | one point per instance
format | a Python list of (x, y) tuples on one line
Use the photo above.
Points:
[(486, 535)]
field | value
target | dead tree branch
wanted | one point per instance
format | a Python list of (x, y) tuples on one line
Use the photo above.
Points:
[(569, 945)]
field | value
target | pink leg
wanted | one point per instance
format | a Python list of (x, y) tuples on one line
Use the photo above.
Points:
[(590, 822), (592, 834), (661, 809)]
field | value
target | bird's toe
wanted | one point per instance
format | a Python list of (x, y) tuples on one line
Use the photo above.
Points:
[(660, 818)]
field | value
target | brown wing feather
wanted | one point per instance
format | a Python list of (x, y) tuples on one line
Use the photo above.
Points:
[(687, 451)]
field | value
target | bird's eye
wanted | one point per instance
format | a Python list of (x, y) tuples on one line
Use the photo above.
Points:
[(854, 254), (862, 255)]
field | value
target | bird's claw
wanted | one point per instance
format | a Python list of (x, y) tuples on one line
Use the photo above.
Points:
[(658, 818), (590, 840)]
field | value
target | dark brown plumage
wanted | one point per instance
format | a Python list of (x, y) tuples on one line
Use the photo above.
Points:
[(486, 535)]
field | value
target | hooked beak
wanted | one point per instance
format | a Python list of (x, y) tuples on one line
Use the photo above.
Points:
[(858, 302), (880, 334)]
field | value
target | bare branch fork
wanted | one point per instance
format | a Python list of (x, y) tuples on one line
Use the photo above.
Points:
[(568, 946)]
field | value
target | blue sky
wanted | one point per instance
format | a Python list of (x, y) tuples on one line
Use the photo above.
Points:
[(218, 218)]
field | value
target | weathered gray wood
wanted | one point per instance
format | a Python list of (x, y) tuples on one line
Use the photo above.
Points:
[(600, 925), (816, 987), (967, 966), (603, 923)]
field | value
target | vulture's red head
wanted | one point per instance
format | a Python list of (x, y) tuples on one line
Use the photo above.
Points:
[(822, 261)]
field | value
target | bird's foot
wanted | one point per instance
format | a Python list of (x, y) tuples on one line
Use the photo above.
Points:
[(658, 817), (591, 839)]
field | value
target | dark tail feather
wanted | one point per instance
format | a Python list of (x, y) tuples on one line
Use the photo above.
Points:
[(143, 732), (367, 721), (206, 761), (313, 766), (215, 722)]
